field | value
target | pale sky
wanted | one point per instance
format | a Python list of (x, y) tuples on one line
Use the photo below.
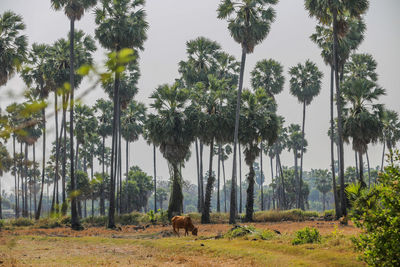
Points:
[(173, 22)]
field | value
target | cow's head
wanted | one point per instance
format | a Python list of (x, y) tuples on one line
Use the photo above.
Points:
[(194, 231)]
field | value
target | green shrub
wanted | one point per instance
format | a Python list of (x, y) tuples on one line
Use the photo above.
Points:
[(329, 213), (66, 220), (48, 223), (307, 235), (96, 221), (21, 222), (162, 216), (240, 231), (285, 215), (377, 213), (1, 224), (266, 235), (132, 218)]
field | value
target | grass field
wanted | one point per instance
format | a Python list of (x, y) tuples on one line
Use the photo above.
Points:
[(155, 246)]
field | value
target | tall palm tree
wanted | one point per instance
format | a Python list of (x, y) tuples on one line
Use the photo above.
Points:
[(249, 24), (132, 124), (305, 84), (323, 184), (362, 120), (323, 37), (13, 45), (74, 10), (172, 130), (296, 144), (214, 125), (5, 165), (332, 13), (203, 58), (267, 74), (121, 24), (37, 74), (104, 109), (259, 120), (391, 132)]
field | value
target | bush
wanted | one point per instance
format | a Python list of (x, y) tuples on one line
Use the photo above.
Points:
[(96, 221), (249, 231), (329, 213), (21, 222), (1, 224), (132, 218), (306, 236), (162, 216), (285, 215), (377, 213), (48, 223)]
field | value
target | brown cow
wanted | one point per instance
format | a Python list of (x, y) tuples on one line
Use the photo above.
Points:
[(183, 222)]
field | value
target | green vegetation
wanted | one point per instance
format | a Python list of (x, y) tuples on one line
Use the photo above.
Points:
[(377, 213), (306, 236)]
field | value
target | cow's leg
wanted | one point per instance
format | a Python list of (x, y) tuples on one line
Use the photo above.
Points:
[(186, 232), (176, 231)]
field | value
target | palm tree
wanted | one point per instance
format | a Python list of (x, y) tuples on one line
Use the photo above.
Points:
[(295, 143), (214, 125), (203, 58), (323, 184), (391, 132), (5, 166), (259, 122), (105, 108), (37, 74), (74, 10), (267, 74), (350, 42), (121, 24), (13, 45), (172, 130), (332, 13), (132, 124), (305, 84), (249, 24)]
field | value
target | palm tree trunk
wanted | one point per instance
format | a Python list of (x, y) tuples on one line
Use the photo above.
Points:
[(64, 159), (219, 175), (355, 157), (155, 178), (201, 178), (232, 214), (272, 179), (383, 155), (361, 174), (250, 194), (37, 216), (102, 204), (120, 163), (369, 170), (323, 201), (75, 224), (198, 177), (300, 196), (335, 196), (15, 179), (339, 112), (57, 152), (175, 206), (262, 180), (296, 175), (34, 177), (205, 217), (223, 174), (26, 181), (282, 181), (114, 153), (127, 164), (22, 170), (240, 180)]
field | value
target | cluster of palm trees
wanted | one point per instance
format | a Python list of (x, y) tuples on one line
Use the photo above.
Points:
[(205, 106)]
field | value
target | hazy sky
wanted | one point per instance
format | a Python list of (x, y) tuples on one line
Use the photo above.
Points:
[(173, 22)]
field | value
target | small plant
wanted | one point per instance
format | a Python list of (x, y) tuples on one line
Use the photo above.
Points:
[(240, 231), (151, 216), (306, 236), (162, 216), (48, 223), (1, 224), (22, 222), (266, 235)]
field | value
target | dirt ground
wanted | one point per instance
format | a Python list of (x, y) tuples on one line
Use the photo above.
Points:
[(157, 246)]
